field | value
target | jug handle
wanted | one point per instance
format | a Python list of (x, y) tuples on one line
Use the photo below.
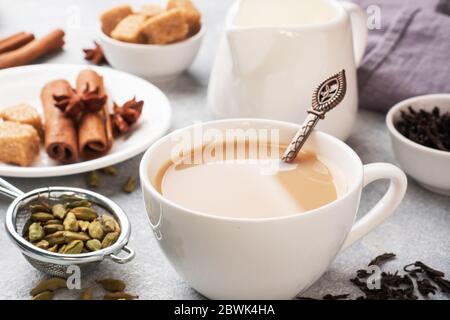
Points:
[(359, 29)]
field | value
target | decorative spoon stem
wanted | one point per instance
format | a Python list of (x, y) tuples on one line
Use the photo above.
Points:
[(327, 95)]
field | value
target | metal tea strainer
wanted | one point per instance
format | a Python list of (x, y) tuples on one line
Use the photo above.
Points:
[(56, 264)]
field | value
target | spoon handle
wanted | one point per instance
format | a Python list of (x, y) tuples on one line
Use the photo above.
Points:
[(300, 137), (327, 95), (7, 189)]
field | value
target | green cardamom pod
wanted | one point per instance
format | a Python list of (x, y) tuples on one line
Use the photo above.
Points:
[(96, 230), (70, 222), (70, 236), (55, 238), (93, 179), (74, 247), (83, 225), (130, 185), (46, 295), (112, 171), (120, 296), (87, 294), (35, 232), (59, 211), (93, 245), (53, 249), (42, 216), (84, 213), (39, 208), (51, 284), (109, 239), (52, 228), (79, 203), (112, 285), (110, 224), (43, 244), (54, 221)]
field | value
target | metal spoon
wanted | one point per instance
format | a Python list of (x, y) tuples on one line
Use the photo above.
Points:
[(327, 96)]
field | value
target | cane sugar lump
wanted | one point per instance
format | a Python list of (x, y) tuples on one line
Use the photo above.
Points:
[(22, 113), (167, 27), (151, 10), (189, 11), (129, 29), (111, 18), (19, 143)]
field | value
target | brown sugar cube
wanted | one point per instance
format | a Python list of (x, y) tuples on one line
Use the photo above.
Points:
[(111, 18), (22, 113), (129, 29), (19, 143), (167, 27), (151, 10), (190, 13)]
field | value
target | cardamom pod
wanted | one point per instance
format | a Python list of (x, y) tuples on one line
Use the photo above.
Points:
[(54, 221), (53, 249), (70, 222), (79, 203), (119, 295), (92, 179), (43, 244), (84, 213), (55, 238), (109, 239), (74, 247), (46, 295), (39, 208), (52, 228), (96, 230), (51, 284), (130, 185), (42, 216), (110, 224), (70, 236), (112, 285), (87, 294), (83, 225), (35, 232), (93, 244), (59, 211), (112, 171)]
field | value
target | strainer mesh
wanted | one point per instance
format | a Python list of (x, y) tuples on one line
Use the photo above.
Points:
[(22, 221)]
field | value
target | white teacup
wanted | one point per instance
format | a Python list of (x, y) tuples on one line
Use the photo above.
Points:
[(270, 258)]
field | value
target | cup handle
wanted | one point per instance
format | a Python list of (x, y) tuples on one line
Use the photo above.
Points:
[(386, 206), (359, 29)]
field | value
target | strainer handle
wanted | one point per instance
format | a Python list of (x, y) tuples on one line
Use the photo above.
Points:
[(7, 189), (125, 259)]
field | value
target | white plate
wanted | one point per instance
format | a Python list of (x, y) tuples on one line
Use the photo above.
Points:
[(24, 84)]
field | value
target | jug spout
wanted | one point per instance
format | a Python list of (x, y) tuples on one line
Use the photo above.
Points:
[(247, 44)]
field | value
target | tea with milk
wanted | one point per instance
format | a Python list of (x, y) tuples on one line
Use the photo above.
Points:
[(245, 185)]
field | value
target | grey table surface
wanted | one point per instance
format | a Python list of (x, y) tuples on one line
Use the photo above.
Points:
[(419, 230)]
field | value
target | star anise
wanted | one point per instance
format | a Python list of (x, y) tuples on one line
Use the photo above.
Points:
[(95, 55), (71, 105), (125, 116), (92, 100)]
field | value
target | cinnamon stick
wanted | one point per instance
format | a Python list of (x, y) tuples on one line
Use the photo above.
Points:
[(32, 51), (15, 41), (95, 129), (61, 141)]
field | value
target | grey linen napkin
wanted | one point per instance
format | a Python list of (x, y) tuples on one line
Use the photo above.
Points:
[(408, 56)]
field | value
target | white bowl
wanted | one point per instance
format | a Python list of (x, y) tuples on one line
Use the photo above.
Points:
[(152, 62), (430, 167)]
